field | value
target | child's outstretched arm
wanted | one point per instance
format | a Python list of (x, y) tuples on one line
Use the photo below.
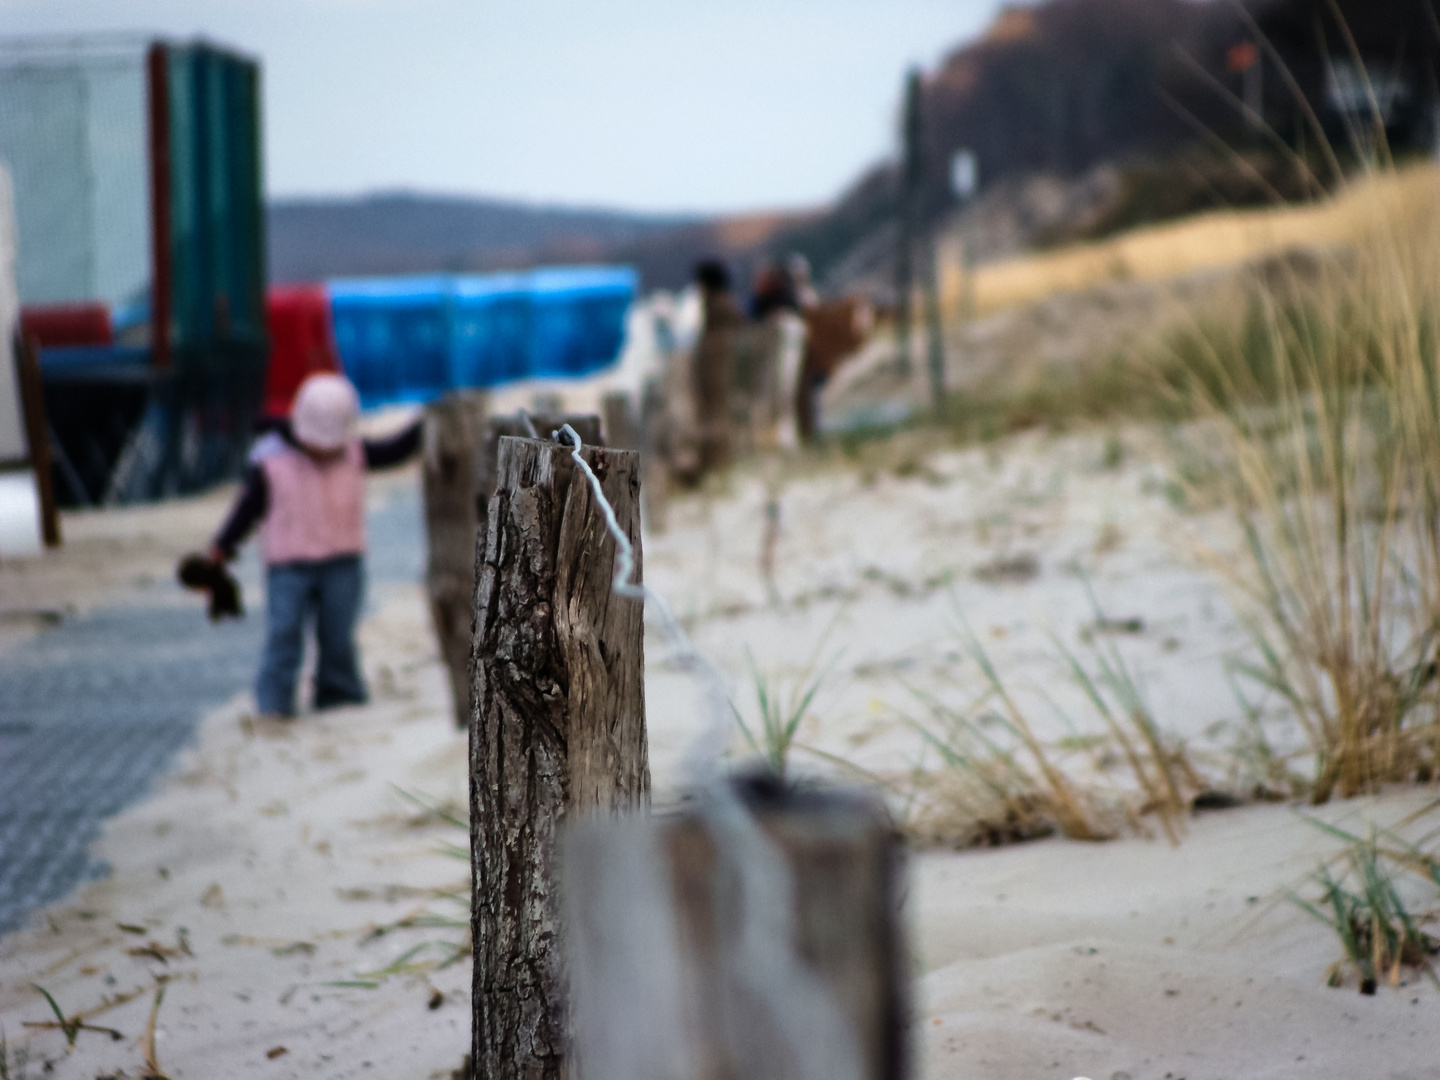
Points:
[(249, 507), (395, 450)]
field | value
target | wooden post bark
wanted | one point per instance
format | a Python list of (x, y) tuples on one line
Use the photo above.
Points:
[(682, 965), (487, 470), (452, 440), (558, 728)]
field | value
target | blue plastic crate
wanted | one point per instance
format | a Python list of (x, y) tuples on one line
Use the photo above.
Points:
[(490, 329), (393, 335), (578, 318), (410, 339)]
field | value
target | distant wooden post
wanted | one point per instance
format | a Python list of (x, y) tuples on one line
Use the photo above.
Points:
[(452, 441), (656, 441), (617, 412), (698, 949), (558, 728), (459, 478), (37, 435)]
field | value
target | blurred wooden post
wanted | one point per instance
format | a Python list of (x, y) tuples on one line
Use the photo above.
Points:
[(619, 421), (655, 444), (934, 327), (912, 180), (452, 439), (712, 377), (682, 966), (558, 728), (37, 435), (459, 477)]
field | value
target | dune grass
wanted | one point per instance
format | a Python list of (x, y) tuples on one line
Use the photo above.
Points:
[(1207, 241), (1366, 908), (1310, 409), (772, 735), (433, 953), (1317, 423), (999, 782), (14, 1064)]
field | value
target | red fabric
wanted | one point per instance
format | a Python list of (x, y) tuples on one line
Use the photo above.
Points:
[(302, 342), (59, 325)]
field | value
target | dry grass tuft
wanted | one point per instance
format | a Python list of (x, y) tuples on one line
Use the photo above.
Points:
[(1220, 239), (1319, 428), (999, 783)]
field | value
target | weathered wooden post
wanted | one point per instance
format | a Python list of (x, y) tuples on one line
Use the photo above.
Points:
[(519, 425), (558, 728), (452, 441), (750, 938)]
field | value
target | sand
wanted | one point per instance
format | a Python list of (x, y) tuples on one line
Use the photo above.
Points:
[(279, 851)]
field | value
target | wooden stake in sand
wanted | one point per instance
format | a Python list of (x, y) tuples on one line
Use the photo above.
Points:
[(757, 937), (37, 435), (558, 727), (619, 417), (453, 427)]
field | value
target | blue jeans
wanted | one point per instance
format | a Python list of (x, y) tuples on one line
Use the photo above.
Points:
[(329, 591)]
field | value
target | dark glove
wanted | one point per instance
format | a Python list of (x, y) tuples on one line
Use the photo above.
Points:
[(203, 574)]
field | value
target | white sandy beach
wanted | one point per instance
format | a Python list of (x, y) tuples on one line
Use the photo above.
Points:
[(279, 852)]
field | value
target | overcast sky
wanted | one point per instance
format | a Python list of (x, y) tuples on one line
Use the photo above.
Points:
[(701, 105)]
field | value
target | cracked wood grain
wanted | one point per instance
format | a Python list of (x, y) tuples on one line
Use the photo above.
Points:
[(557, 728)]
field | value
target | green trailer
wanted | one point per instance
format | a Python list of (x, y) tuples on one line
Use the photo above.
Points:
[(139, 191)]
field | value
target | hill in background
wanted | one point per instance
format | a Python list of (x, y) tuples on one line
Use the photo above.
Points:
[(401, 233)]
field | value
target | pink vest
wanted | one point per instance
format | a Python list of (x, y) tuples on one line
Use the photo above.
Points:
[(316, 511)]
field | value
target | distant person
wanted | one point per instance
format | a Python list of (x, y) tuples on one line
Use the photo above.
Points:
[(773, 290), (713, 363), (309, 492), (836, 331), (772, 379), (801, 284)]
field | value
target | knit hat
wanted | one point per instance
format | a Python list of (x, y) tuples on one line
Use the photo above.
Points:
[(325, 411)]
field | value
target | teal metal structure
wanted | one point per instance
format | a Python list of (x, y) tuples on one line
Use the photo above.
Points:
[(139, 186)]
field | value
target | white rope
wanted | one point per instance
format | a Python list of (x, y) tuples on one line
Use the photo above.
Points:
[(624, 550)]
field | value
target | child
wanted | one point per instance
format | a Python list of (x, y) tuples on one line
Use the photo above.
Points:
[(309, 489)]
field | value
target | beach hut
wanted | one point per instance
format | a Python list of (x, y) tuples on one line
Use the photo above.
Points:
[(490, 329), (579, 318)]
